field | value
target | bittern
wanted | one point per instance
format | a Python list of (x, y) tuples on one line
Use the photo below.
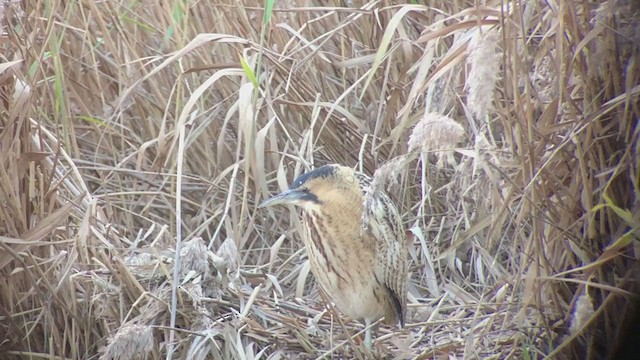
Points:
[(357, 252)]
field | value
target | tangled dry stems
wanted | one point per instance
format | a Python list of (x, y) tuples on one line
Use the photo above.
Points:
[(507, 138)]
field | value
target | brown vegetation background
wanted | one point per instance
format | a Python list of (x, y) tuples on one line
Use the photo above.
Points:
[(505, 131)]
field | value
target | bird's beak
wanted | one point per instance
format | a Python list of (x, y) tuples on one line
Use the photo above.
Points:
[(291, 196)]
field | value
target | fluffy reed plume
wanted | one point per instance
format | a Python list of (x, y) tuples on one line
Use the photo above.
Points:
[(130, 342), (387, 174), (582, 312), (194, 257), (484, 62), (436, 133)]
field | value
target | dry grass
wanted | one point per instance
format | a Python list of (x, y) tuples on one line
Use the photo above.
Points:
[(135, 130)]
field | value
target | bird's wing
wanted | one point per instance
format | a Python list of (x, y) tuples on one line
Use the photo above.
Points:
[(385, 225)]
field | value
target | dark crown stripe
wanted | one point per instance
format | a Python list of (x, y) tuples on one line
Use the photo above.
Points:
[(321, 172)]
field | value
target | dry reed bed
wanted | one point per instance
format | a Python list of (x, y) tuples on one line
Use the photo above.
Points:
[(506, 132)]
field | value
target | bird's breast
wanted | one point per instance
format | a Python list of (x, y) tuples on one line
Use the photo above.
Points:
[(342, 261)]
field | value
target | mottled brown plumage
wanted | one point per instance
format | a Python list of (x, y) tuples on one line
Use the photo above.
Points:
[(358, 253)]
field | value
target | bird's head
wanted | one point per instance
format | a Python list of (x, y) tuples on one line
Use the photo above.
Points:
[(329, 183)]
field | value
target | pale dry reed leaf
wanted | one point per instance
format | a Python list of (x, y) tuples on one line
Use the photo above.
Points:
[(276, 284), (306, 43), (502, 293), (8, 65), (252, 298), (189, 111), (281, 176), (424, 65), (479, 270), (204, 346), (261, 174), (448, 64), (429, 269), (21, 94), (130, 342), (484, 71), (302, 279), (197, 41), (313, 327), (246, 114), (386, 39), (43, 228), (355, 62), (335, 107), (274, 250)]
